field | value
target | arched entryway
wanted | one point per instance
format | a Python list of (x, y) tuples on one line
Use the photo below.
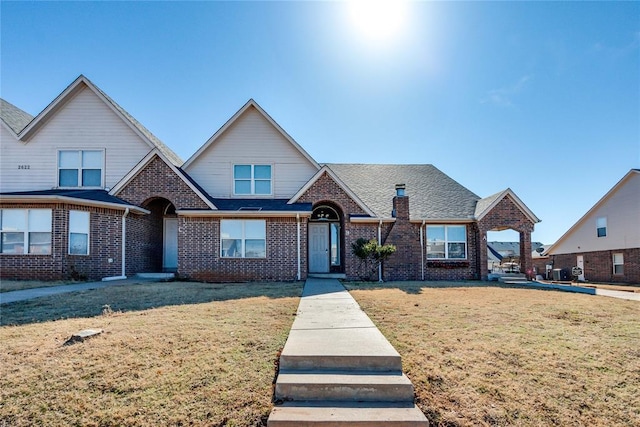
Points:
[(161, 246), (326, 239)]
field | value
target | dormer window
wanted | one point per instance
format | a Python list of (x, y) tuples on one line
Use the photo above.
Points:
[(80, 168), (252, 180)]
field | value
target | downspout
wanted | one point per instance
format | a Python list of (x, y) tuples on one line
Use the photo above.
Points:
[(124, 249), (124, 241), (422, 248), (298, 224), (380, 243)]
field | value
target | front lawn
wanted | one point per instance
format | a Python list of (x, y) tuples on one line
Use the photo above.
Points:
[(171, 354), (495, 356)]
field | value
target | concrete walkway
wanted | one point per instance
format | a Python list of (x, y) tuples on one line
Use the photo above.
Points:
[(27, 294), (590, 291), (337, 368)]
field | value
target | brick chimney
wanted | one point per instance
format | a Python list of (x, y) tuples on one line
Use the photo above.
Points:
[(401, 203)]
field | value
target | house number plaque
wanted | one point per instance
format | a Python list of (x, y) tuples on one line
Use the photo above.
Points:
[(24, 166)]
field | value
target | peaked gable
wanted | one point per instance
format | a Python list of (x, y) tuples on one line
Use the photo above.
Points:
[(621, 208), (484, 206), (156, 176), (250, 137), (73, 89)]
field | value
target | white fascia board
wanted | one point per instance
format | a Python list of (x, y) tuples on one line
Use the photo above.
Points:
[(70, 200), (338, 181), (523, 208), (443, 221), (144, 162), (243, 214), (370, 220), (584, 217)]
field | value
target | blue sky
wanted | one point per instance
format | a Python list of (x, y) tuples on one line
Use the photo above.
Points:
[(541, 97)]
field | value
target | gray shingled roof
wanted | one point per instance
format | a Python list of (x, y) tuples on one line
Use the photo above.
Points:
[(483, 204), (14, 117), (432, 194)]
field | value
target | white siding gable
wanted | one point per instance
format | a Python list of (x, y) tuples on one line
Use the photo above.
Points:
[(621, 209), (84, 122), (251, 139)]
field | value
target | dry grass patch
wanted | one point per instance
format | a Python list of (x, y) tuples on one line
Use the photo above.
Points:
[(491, 356), (208, 361), (19, 285)]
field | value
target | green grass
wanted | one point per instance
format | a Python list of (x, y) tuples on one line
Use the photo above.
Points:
[(20, 285)]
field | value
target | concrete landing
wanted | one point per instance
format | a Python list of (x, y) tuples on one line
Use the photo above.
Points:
[(337, 368)]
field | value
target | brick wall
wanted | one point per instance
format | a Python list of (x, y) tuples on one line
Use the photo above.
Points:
[(506, 214), (158, 180), (598, 266), (104, 244), (199, 252)]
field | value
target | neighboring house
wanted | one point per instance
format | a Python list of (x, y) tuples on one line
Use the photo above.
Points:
[(506, 253), (87, 191), (605, 242)]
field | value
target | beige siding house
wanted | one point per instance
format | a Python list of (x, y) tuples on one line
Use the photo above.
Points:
[(605, 242)]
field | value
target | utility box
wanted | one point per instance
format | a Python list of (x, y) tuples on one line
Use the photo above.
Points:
[(560, 274)]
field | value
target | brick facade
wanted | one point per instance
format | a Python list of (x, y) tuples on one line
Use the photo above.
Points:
[(157, 180), (598, 266), (104, 245), (199, 252), (506, 214)]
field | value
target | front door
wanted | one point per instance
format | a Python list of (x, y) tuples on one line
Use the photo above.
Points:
[(580, 263), (170, 246), (318, 248)]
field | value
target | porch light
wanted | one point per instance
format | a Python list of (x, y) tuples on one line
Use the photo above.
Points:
[(400, 190)]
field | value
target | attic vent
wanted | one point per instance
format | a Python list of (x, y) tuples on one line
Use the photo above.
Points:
[(249, 208)]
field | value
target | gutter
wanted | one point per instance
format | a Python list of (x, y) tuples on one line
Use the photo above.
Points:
[(124, 249), (422, 247), (298, 224), (380, 243), (242, 214), (72, 200)]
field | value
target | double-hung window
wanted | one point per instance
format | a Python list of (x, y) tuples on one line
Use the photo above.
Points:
[(601, 226), (25, 231), (618, 263), (80, 168), (243, 238), (252, 179), (78, 233), (446, 241)]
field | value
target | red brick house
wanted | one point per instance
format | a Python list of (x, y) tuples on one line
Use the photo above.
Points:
[(87, 191)]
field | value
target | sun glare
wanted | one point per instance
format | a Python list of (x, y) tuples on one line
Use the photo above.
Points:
[(378, 19)]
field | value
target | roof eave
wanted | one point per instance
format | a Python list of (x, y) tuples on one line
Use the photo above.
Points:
[(242, 214), (67, 199)]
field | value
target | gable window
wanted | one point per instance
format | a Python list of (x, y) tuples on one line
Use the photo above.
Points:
[(78, 233), (243, 238), (446, 241), (25, 231), (252, 179), (80, 168), (601, 226), (618, 264)]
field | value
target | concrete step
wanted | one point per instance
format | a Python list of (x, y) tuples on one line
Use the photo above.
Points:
[(343, 386), (157, 276), (334, 414), (358, 349)]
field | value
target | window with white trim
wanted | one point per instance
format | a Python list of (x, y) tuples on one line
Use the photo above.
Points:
[(79, 233), (618, 264), (446, 241), (252, 180), (601, 226), (243, 238), (25, 231), (80, 168)]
